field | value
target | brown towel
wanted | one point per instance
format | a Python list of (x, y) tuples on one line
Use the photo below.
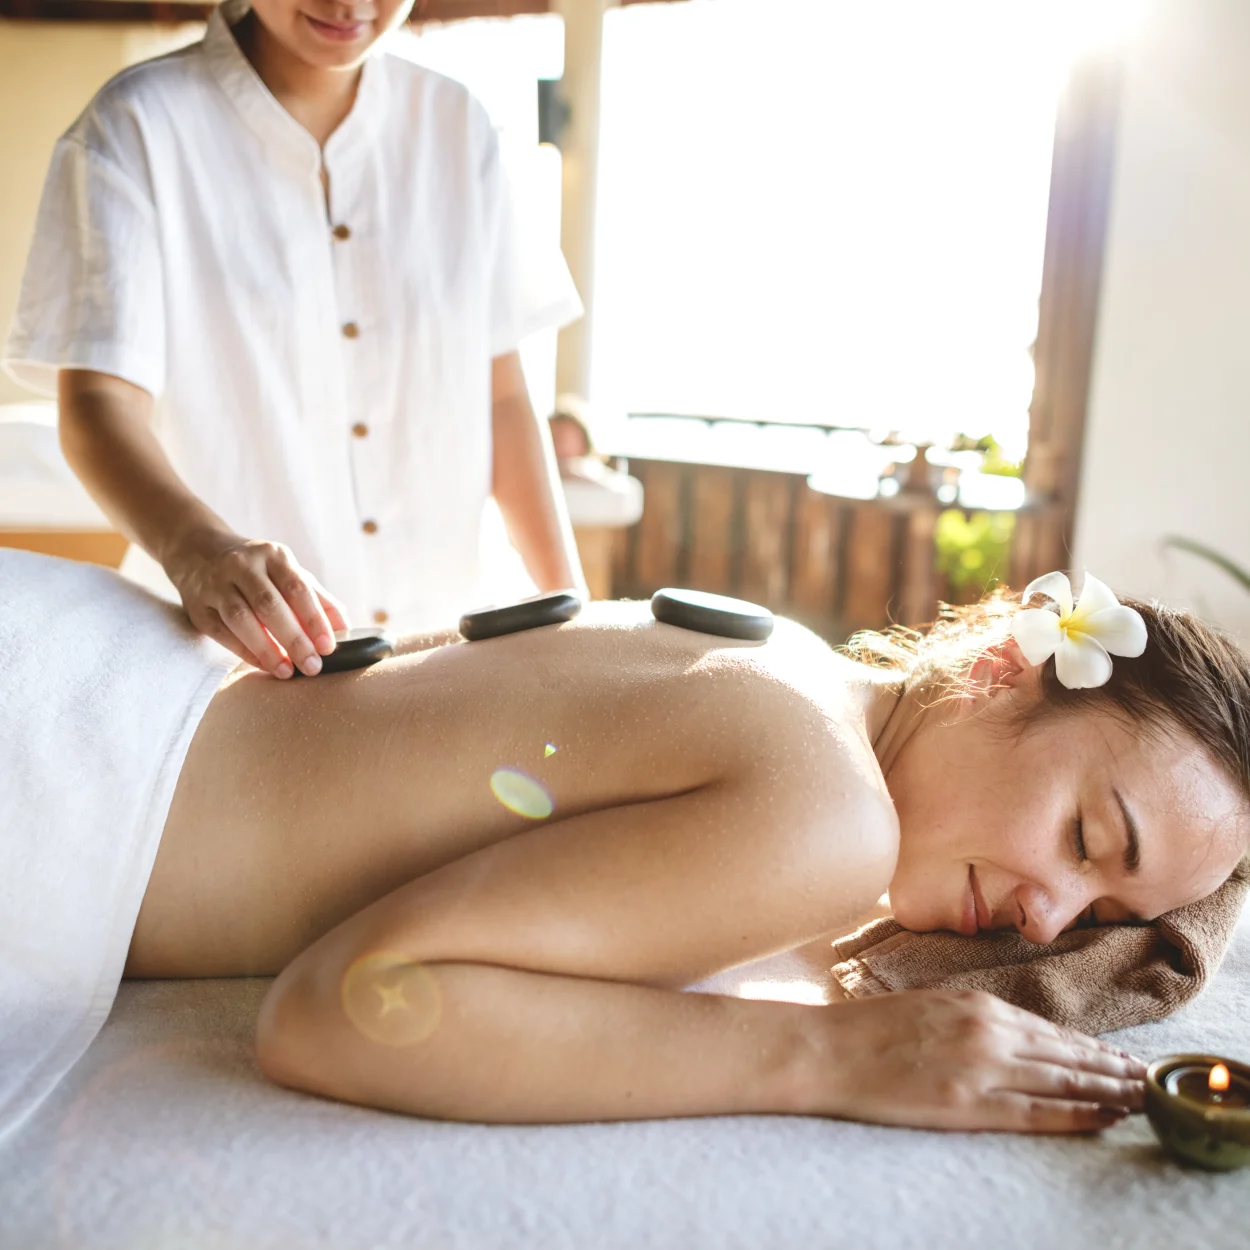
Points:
[(1095, 980)]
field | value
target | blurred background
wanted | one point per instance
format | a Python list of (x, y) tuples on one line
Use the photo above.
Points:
[(886, 304)]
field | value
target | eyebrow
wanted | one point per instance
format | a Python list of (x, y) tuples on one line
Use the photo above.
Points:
[(1132, 848)]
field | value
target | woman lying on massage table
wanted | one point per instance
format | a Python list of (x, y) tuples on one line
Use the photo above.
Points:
[(484, 870)]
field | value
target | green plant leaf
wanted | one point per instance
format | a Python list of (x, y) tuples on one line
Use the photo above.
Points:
[(1234, 570)]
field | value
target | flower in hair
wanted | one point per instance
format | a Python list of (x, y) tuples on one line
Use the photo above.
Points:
[(1082, 637)]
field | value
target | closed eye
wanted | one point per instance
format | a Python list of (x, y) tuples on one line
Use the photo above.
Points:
[(1078, 843)]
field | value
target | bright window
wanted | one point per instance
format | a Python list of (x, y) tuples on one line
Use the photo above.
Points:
[(500, 61), (826, 211)]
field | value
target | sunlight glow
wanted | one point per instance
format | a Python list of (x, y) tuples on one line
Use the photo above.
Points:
[(390, 999), (1095, 25), (784, 992), (520, 793)]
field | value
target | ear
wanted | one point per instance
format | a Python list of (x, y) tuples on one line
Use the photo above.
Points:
[(1003, 666)]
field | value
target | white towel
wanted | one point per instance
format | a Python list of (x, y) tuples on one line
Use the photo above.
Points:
[(101, 689)]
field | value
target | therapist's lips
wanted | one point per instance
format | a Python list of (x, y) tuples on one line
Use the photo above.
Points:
[(340, 32)]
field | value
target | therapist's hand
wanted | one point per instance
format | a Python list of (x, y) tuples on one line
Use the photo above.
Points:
[(255, 599)]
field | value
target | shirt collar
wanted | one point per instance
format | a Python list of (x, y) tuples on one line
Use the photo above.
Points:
[(268, 120)]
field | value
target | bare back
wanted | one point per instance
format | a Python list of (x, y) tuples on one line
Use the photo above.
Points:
[(302, 802)]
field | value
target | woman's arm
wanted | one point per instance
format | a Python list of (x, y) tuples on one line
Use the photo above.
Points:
[(244, 594), (534, 981), (526, 483), (493, 1044)]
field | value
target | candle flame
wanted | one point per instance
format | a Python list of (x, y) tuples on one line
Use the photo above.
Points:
[(1218, 1080)]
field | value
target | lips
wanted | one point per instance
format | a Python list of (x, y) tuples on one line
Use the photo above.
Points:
[(968, 921), (976, 914), (340, 32), (984, 916)]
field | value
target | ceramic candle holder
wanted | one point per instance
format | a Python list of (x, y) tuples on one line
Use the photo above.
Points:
[(1200, 1125)]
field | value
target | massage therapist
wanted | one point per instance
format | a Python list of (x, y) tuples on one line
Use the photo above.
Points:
[(275, 288)]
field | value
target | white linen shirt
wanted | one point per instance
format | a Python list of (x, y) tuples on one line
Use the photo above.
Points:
[(321, 372)]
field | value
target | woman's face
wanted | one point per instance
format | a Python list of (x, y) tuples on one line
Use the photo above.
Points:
[(330, 34), (568, 438), (1072, 819)]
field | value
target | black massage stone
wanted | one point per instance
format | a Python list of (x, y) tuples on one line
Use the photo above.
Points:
[(712, 614), (357, 648), (511, 618)]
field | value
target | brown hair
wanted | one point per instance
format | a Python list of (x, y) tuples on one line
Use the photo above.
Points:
[(1190, 675)]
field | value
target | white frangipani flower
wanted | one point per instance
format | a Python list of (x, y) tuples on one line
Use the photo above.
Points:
[(1082, 638)]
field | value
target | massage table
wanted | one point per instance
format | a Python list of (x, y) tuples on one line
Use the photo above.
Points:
[(43, 507), (166, 1136)]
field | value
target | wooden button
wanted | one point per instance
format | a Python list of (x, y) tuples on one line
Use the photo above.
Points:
[(381, 617), (360, 429), (370, 527), (351, 330), (341, 232)]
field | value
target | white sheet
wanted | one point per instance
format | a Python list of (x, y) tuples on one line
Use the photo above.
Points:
[(166, 1135), (101, 689)]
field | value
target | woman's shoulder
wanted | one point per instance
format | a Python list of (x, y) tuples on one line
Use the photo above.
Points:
[(114, 123), (823, 695), (434, 96)]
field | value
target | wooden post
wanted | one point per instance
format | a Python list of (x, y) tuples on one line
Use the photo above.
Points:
[(1082, 171), (583, 64)]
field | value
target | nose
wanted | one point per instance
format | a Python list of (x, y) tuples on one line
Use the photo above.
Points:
[(1043, 914)]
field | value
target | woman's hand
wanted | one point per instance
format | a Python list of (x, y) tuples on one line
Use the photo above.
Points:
[(255, 599), (967, 1060)]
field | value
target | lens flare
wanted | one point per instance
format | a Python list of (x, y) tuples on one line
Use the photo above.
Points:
[(391, 1000), (520, 793), (549, 750)]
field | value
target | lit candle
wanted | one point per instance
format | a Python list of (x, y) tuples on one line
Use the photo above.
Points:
[(1212, 1085), (1199, 1106)]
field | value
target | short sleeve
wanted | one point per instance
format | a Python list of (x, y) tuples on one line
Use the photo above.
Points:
[(531, 288), (92, 293)]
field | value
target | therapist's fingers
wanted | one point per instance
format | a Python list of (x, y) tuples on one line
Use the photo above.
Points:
[(334, 608), (240, 618), (209, 623), (302, 593), (274, 614)]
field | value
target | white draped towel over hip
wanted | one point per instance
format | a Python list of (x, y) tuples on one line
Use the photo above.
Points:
[(101, 689)]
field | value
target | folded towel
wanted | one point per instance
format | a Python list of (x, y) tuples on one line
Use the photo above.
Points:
[(101, 689), (1098, 979)]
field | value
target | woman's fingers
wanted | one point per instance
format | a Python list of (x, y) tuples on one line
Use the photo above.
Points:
[(212, 626), (335, 612), (966, 1060), (1024, 1113), (301, 593), (1055, 1080), (1085, 1052), (241, 620), (271, 612)]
